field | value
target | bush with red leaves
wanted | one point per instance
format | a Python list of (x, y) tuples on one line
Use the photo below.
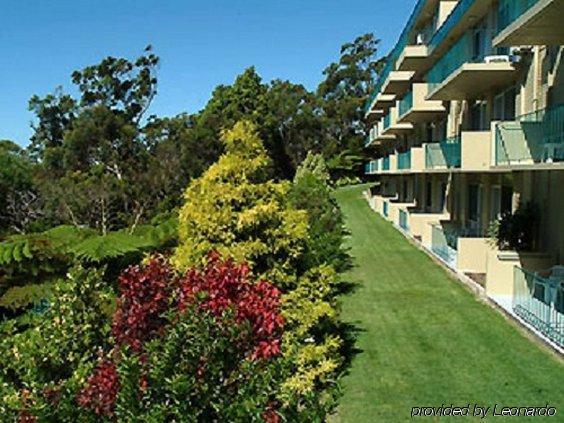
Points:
[(224, 285), (222, 290), (144, 296), (102, 390)]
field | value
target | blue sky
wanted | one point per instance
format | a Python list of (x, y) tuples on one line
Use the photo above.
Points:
[(201, 44)]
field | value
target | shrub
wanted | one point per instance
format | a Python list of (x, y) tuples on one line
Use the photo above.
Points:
[(516, 231), (235, 209)]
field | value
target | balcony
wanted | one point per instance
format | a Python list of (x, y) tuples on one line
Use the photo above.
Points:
[(397, 83), (460, 75), (415, 108), (533, 139), (530, 22), (392, 126), (443, 155), (414, 58), (404, 160), (539, 301), (461, 247)]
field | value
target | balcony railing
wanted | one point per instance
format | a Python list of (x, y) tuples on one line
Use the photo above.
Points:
[(404, 160), (540, 302), (403, 220), (511, 10), (387, 120), (386, 163), (453, 59), (444, 245), (371, 167), (450, 22), (445, 154), (532, 138), (403, 40), (406, 103)]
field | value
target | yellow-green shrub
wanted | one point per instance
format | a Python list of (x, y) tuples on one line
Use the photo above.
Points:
[(235, 209)]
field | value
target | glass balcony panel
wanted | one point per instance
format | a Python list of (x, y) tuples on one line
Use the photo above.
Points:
[(533, 138), (403, 220), (444, 245), (452, 20), (386, 163), (445, 154), (406, 103), (510, 10), (404, 160)]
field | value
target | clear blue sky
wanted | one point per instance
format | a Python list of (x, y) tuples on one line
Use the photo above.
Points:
[(201, 44)]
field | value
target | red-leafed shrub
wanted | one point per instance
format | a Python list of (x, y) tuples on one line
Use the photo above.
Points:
[(101, 390), (144, 296), (213, 328), (224, 285)]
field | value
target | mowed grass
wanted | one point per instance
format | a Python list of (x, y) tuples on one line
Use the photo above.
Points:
[(423, 339)]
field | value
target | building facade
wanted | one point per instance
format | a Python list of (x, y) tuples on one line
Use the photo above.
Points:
[(467, 141)]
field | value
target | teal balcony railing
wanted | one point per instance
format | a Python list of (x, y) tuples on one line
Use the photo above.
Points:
[(394, 55), (532, 138), (461, 52), (385, 208), (540, 302), (404, 160), (403, 220), (386, 163), (444, 245), (406, 103), (451, 21), (511, 10), (371, 167), (445, 154), (387, 120)]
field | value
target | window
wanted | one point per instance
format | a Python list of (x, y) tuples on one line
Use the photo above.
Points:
[(504, 105), (479, 43), (506, 199), (429, 196), (479, 116), (474, 206)]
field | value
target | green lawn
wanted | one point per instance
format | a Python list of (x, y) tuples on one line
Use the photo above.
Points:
[(423, 339)]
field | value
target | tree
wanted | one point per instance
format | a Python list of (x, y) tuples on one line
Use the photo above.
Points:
[(347, 86)]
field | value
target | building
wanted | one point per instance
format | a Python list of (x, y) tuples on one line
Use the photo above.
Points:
[(467, 123)]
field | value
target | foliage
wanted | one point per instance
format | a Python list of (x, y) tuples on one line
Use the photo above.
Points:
[(29, 261), (516, 231), (48, 354), (311, 192), (347, 180), (235, 209)]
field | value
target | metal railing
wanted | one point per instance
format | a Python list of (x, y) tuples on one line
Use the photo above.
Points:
[(510, 10), (460, 53), (403, 220), (406, 103), (540, 302), (445, 154), (536, 137), (404, 160)]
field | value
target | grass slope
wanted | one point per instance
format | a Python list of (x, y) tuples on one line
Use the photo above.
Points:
[(423, 339)]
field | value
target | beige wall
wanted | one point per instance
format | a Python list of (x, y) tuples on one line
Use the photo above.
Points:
[(500, 269), (473, 254)]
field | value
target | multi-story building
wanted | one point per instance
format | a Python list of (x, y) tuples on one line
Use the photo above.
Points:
[(467, 130)]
